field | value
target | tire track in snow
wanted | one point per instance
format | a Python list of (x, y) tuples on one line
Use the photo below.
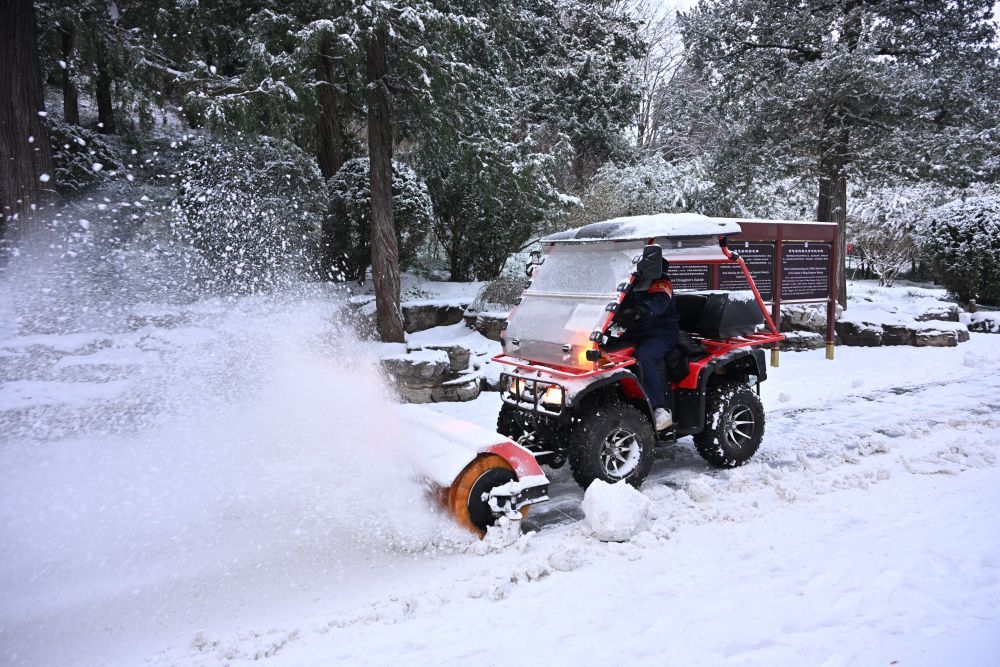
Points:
[(843, 433)]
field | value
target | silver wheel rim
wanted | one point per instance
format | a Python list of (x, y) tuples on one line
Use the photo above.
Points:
[(620, 453), (740, 426)]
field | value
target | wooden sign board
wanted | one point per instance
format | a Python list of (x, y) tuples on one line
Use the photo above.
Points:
[(805, 271), (759, 258)]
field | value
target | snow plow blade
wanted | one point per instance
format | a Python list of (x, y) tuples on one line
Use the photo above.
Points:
[(481, 477)]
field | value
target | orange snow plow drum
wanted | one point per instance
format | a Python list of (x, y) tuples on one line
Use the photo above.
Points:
[(465, 495), (481, 475)]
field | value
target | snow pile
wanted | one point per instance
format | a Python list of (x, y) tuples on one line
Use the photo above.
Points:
[(615, 512)]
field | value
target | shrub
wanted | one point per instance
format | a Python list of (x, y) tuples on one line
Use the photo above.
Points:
[(962, 242), (254, 209), (349, 213), (80, 157), (501, 293)]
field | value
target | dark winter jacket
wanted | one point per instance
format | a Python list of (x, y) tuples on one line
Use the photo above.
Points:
[(657, 310)]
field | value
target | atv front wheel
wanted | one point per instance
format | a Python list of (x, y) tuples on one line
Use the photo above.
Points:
[(614, 443), (734, 426), (512, 423)]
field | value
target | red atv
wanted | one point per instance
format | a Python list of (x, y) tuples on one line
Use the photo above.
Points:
[(574, 392)]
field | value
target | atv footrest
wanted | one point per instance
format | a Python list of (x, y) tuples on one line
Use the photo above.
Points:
[(667, 437)]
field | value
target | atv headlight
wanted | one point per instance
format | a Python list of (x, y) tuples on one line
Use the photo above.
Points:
[(553, 395)]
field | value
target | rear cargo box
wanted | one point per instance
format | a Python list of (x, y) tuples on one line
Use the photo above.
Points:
[(719, 314)]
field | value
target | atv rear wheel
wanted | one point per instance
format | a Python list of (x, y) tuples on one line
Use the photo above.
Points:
[(465, 495), (614, 443), (734, 426)]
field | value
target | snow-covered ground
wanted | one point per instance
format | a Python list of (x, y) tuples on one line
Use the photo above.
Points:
[(222, 482)]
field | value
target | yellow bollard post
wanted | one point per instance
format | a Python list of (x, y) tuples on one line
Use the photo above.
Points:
[(829, 351), (774, 357)]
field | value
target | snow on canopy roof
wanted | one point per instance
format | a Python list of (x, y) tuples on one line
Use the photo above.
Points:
[(671, 225)]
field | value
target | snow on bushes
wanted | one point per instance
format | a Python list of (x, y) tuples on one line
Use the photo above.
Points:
[(350, 213), (650, 186), (254, 209), (962, 241), (615, 512), (501, 293), (81, 157)]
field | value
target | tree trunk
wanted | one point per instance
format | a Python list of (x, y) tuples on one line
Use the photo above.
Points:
[(832, 200), (385, 253), (25, 153), (102, 84), (71, 104), (331, 144), (457, 268), (331, 154)]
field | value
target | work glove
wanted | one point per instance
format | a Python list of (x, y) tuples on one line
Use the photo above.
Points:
[(632, 313)]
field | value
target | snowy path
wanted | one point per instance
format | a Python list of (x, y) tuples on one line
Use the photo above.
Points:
[(864, 532)]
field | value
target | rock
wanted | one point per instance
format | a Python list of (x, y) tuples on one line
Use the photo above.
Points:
[(861, 334), (423, 315), (898, 334), (615, 512), (463, 388), (940, 334), (488, 324), (983, 322), (796, 341), (490, 377), (426, 375), (936, 338), (415, 394), (458, 356), (947, 312), (805, 317), (417, 370)]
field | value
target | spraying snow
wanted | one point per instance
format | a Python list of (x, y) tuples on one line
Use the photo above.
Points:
[(188, 457)]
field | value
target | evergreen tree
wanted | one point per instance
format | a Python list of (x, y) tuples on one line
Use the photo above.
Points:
[(579, 86), (489, 195), (851, 87)]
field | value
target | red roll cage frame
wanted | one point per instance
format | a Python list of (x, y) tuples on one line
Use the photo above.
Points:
[(621, 358)]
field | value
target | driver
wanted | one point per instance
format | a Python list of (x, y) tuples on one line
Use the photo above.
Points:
[(651, 322)]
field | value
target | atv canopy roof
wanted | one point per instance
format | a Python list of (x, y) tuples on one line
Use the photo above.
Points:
[(642, 227)]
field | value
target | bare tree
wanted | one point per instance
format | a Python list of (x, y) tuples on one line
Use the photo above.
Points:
[(665, 53), (888, 248)]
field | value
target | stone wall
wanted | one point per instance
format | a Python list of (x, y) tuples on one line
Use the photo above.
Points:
[(433, 374)]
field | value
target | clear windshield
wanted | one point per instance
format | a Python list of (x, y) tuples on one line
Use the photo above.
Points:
[(567, 301)]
